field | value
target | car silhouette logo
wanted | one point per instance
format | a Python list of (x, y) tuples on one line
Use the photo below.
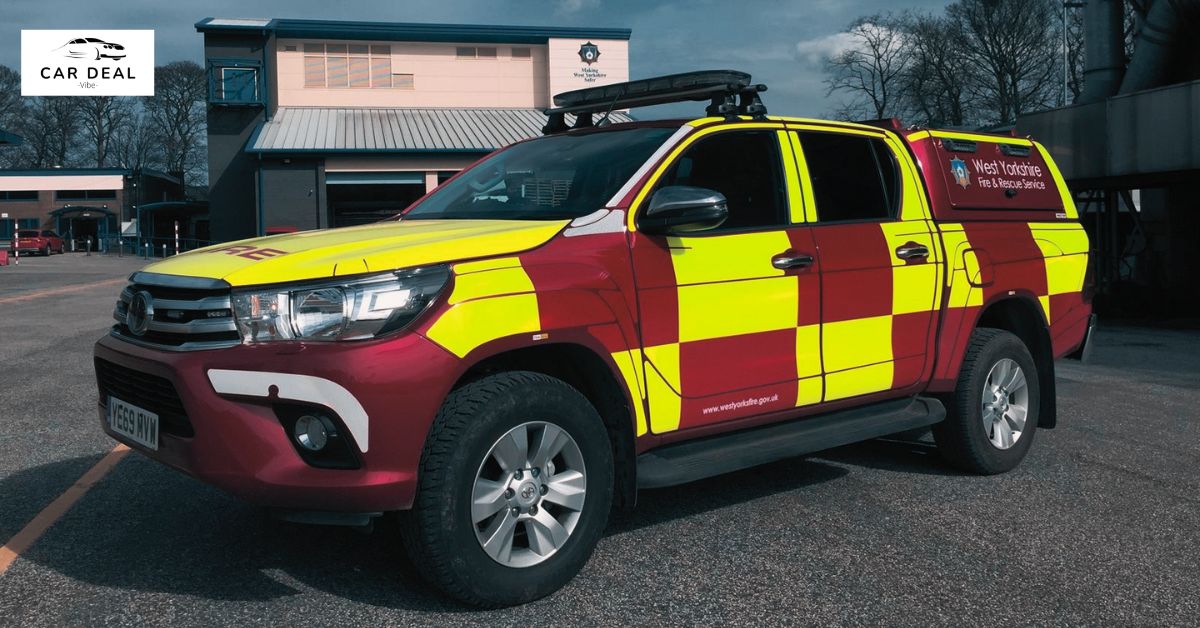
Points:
[(92, 48)]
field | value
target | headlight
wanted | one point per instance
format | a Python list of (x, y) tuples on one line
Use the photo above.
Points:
[(351, 310)]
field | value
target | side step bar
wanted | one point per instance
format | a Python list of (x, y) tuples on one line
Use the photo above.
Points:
[(715, 455)]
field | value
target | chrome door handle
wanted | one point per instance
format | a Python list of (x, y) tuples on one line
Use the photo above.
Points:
[(786, 261), (912, 250)]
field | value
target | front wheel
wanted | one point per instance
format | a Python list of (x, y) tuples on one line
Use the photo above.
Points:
[(514, 491), (993, 413)]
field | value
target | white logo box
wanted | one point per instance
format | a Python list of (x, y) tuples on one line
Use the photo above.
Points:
[(85, 62)]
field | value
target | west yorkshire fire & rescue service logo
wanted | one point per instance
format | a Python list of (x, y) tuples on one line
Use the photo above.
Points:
[(961, 176)]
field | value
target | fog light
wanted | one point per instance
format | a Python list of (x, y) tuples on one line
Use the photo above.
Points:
[(311, 433)]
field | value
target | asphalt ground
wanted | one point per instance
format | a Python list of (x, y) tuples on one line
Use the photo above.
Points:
[(1100, 525)]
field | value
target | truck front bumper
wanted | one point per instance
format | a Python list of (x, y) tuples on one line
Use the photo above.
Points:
[(235, 439)]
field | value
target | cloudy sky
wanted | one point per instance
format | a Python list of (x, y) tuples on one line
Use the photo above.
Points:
[(780, 42)]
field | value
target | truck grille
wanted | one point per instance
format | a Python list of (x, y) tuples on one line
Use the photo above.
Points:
[(144, 390), (185, 314)]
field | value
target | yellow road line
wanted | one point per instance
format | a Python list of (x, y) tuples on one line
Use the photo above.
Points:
[(37, 294), (33, 530)]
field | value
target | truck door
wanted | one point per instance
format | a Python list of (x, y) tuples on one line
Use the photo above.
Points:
[(729, 317), (880, 280)]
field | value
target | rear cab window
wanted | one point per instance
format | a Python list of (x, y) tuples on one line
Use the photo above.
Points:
[(854, 177)]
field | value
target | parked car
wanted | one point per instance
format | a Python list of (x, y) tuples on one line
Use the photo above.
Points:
[(31, 241), (608, 308), (92, 48)]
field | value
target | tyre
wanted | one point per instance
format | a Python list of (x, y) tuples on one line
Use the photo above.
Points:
[(514, 490), (992, 415), (47, 251)]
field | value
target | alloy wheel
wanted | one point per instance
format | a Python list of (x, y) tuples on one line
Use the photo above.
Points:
[(1005, 403), (528, 494)]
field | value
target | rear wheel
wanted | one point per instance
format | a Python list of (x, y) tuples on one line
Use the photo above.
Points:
[(514, 491), (47, 251), (993, 413)]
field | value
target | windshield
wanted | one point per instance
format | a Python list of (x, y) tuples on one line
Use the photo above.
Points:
[(551, 178)]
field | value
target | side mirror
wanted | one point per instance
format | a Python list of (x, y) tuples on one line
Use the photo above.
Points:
[(682, 209)]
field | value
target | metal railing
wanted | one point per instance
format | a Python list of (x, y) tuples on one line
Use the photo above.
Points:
[(145, 248)]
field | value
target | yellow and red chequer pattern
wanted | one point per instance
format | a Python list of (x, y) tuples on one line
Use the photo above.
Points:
[(727, 336), (569, 290), (724, 335), (990, 261)]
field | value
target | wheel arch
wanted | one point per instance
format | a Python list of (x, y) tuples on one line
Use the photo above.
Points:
[(1022, 316), (597, 380)]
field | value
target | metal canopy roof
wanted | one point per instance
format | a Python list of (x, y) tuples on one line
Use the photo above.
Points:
[(10, 139), (406, 31), (81, 209), (354, 130)]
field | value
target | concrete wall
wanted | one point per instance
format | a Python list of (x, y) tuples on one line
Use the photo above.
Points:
[(440, 78), (63, 182), (568, 71), (232, 174)]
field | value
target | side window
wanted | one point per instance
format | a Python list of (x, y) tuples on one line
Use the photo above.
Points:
[(853, 177), (746, 167)]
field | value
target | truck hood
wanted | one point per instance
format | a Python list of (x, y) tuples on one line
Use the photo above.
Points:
[(377, 247)]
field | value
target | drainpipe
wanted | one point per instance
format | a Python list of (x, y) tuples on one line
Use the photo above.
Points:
[(1104, 49), (1159, 34)]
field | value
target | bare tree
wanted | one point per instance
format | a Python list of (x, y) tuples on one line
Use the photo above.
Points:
[(177, 116), (10, 95), (100, 117), (870, 70), (936, 84), (1010, 50), (50, 128), (133, 143)]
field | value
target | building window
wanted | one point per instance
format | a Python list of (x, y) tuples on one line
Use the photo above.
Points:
[(349, 65), (86, 195), (6, 228), (234, 82), (475, 52), (522, 53), (19, 195)]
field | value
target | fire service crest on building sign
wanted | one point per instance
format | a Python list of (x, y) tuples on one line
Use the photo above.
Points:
[(589, 53)]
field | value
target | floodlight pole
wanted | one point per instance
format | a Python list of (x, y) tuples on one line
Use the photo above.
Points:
[(1067, 4)]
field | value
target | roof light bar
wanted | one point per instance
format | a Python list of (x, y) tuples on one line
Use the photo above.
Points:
[(729, 92)]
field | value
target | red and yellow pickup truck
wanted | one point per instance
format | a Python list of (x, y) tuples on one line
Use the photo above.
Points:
[(611, 307)]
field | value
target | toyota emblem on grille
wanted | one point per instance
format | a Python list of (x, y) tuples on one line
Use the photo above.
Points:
[(140, 313)]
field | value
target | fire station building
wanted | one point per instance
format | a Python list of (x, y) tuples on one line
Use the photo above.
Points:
[(80, 203), (315, 124)]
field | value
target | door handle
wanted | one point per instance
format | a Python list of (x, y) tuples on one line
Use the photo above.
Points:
[(790, 259), (912, 251)]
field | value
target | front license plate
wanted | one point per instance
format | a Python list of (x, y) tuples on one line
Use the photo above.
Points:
[(134, 423)]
